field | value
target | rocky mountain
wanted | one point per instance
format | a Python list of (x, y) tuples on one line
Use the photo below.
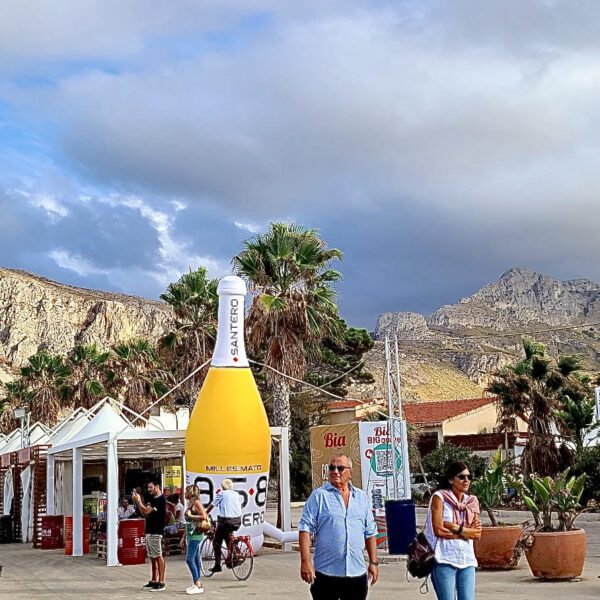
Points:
[(36, 313), (446, 355), (464, 343)]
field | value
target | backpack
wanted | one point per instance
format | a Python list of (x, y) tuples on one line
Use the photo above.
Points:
[(420, 557)]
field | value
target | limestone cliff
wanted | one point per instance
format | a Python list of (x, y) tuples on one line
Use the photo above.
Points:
[(36, 313), (472, 338)]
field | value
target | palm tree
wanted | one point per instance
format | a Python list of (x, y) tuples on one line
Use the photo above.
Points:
[(18, 395), (136, 374), (534, 390), (45, 379), (88, 375), (195, 304), (294, 305), (578, 414)]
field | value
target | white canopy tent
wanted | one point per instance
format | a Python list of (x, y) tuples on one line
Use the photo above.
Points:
[(38, 434), (111, 436)]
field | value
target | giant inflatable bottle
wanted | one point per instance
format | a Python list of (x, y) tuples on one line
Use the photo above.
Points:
[(228, 434)]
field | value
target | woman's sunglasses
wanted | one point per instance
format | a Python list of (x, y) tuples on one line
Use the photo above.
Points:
[(464, 477), (338, 468)]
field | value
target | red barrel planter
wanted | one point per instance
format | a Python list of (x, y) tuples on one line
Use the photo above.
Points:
[(69, 535), (52, 532), (132, 542)]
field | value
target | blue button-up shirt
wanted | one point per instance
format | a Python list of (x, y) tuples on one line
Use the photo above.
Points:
[(340, 532), (229, 503)]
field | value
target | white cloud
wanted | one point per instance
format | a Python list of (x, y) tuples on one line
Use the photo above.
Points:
[(175, 256), (178, 205), (250, 227), (51, 206), (78, 264)]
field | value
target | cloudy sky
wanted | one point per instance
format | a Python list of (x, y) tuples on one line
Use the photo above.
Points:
[(437, 143)]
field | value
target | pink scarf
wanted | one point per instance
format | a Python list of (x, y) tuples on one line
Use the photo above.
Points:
[(470, 507)]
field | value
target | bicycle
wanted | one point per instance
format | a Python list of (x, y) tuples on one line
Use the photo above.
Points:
[(238, 555)]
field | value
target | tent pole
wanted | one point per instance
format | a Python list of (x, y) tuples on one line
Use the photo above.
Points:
[(50, 484), (112, 488), (284, 481), (77, 502)]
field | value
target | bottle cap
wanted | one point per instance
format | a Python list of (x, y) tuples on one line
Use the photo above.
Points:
[(231, 285)]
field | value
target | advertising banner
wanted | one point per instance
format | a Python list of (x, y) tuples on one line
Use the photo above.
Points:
[(326, 440), (376, 462), (172, 477)]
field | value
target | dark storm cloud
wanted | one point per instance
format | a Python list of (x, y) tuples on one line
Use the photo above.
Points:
[(437, 143)]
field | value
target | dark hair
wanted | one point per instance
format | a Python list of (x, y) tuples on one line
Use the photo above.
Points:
[(452, 470), (155, 481), (174, 497)]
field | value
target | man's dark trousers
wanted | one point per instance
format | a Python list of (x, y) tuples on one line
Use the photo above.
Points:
[(225, 526), (326, 587)]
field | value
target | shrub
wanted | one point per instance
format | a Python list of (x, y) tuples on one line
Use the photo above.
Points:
[(436, 462), (588, 462)]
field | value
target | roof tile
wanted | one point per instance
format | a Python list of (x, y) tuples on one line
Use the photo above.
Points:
[(435, 413)]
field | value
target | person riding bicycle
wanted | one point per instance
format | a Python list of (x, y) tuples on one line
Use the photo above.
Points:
[(229, 504)]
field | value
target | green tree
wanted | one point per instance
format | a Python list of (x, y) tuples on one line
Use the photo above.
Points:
[(190, 343), (534, 390), (307, 412), (294, 303), (137, 376), (45, 379), (88, 375), (436, 462), (17, 395), (578, 416), (588, 463), (340, 361)]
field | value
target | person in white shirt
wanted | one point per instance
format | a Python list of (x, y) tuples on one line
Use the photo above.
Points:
[(452, 524), (229, 504), (179, 511), (125, 510)]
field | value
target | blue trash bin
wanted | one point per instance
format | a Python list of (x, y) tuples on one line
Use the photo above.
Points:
[(401, 521)]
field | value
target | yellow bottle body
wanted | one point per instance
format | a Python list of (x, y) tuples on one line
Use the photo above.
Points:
[(228, 437)]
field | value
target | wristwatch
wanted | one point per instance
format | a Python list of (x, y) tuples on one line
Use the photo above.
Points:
[(375, 563)]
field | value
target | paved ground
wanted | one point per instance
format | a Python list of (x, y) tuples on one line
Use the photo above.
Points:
[(50, 575)]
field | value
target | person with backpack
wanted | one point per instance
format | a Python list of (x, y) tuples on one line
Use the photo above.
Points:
[(453, 522)]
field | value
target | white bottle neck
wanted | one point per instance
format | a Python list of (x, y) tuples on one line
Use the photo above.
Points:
[(230, 350)]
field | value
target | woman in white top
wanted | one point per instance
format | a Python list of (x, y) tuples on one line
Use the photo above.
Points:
[(452, 524)]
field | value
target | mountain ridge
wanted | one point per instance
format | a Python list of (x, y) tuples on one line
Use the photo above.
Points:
[(483, 331)]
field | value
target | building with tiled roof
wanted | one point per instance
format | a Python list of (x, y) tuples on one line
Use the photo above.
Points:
[(448, 418), (431, 414)]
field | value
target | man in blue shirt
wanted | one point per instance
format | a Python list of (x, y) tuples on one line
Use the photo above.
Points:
[(229, 503), (340, 518)]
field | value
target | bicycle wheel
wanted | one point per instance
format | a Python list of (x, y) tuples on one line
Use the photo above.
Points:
[(242, 560), (207, 557)]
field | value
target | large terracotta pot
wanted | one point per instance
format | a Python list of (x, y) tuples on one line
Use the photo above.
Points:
[(557, 554), (496, 548)]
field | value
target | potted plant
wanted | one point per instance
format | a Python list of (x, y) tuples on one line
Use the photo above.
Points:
[(497, 547), (557, 550)]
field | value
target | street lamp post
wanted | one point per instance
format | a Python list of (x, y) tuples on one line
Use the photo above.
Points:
[(23, 416)]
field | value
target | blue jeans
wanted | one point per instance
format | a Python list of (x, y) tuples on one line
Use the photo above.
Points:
[(192, 558), (451, 583)]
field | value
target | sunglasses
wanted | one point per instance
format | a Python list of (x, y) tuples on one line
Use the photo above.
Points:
[(464, 477), (338, 468)]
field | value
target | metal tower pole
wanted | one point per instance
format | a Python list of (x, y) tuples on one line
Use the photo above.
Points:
[(392, 446), (394, 413), (396, 427)]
